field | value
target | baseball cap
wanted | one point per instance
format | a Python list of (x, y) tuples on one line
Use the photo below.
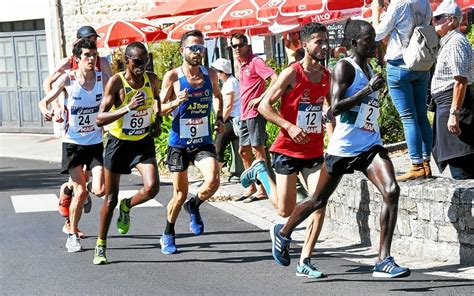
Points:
[(85, 32), (448, 7), (222, 65)]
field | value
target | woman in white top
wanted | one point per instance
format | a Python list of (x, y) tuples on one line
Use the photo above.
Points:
[(408, 89), (231, 96)]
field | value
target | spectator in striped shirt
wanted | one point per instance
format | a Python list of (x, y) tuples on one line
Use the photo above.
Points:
[(454, 120)]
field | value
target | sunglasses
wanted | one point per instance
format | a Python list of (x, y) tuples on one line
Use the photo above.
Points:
[(138, 61), (196, 48), (240, 45)]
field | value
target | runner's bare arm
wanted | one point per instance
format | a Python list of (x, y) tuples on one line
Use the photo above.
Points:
[(286, 80), (52, 95), (167, 93), (105, 69), (51, 78), (156, 128), (342, 78)]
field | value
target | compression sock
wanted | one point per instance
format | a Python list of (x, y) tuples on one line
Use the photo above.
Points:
[(264, 178), (195, 202), (169, 229), (101, 242)]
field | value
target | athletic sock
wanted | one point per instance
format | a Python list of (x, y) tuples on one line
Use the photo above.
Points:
[(263, 177), (307, 260), (195, 202), (101, 242), (169, 229), (68, 191)]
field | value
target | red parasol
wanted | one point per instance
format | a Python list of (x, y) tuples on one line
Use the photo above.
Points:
[(121, 33), (182, 7)]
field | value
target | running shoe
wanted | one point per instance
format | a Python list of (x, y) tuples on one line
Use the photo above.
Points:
[(64, 201), (196, 225), (99, 255), (168, 245), (73, 243), (308, 270), (249, 176), (88, 204), (67, 227), (123, 221), (389, 269), (280, 246)]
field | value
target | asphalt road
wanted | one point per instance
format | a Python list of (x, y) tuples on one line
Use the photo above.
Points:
[(232, 257)]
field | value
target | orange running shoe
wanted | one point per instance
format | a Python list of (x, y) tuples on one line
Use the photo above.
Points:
[(64, 201), (67, 226)]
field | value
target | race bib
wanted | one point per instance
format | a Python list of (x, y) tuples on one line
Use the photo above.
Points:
[(190, 128), (136, 122), (310, 117), (368, 114), (83, 119)]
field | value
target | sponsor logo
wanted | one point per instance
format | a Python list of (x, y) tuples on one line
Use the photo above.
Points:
[(76, 98), (313, 108), (197, 106), (98, 97), (195, 121), (140, 113), (87, 129), (194, 141)]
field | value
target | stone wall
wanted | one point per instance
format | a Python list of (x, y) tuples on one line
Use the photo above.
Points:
[(435, 220), (77, 13)]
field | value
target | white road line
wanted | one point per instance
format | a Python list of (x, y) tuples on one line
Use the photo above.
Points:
[(33, 203)]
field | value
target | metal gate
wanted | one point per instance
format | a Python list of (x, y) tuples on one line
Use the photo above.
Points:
[(23, 66)]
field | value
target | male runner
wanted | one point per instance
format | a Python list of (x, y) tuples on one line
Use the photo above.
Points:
[(82, 138), (301, 89), (65, 65), (354, 145), (187, 92), (132, 108)]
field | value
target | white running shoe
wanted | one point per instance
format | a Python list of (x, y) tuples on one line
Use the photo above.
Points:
[(73, 243)]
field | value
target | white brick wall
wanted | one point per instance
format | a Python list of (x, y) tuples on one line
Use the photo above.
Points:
[(99, 12)]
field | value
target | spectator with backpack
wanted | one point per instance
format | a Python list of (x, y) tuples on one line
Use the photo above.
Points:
[(408, 63)]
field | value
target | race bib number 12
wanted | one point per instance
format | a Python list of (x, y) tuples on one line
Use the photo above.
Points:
[(310, 118)]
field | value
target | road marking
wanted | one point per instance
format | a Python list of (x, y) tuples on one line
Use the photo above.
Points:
[(35, 203), (49, 202)]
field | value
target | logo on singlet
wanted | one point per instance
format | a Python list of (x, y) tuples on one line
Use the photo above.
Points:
[(98, 97)]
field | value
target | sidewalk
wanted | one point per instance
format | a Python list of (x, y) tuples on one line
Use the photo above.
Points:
[(260, 213)]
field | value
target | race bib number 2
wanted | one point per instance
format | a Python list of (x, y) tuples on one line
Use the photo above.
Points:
[(368, 114), (190, 128), (310, 118)]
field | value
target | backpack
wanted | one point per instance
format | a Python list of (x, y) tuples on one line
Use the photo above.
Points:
[(421, 52)]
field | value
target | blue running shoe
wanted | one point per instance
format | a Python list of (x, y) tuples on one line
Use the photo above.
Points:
[(280, 246), (249, 176), (389, 269), (168, 245), (308, 270), (196, 225)]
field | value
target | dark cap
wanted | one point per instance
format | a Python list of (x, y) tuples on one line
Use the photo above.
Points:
[(85, 32)]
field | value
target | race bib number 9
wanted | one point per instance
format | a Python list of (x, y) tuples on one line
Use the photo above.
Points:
[(369, 112), (190, 128), (136, 122), (310, 118)]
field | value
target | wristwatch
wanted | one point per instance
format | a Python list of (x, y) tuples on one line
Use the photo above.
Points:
[(453, 111)]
